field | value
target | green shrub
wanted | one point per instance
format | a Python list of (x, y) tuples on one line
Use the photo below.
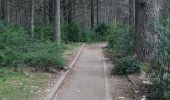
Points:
[(160, 73), (126, 66), (12, 39), (71, 32), (17, 50), (44, 55), (87, 36), (160, 90), (44, 32), (120, 40), (101, 32)]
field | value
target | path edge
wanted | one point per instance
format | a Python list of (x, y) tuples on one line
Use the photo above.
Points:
[(106, 82), (63, 77)]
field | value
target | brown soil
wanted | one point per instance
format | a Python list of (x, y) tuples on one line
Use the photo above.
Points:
[(121, 88)]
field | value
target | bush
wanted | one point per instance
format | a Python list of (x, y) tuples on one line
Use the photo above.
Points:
[(44, 55), (44, 32), (101, 32), (16, 50), (126, 66), (161, 90), (160, 73), (12, 38), (71, 32), (87, 36), (78, 32), (120, 40)]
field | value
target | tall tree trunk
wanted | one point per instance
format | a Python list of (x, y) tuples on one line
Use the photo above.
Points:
[(65, 14), (2, 9), (146, 31), (8, 11), (51, 10), (70, 11), (132, 13), (45, 12), (32, 18), (97, 8), (57, 37), (92, 14)]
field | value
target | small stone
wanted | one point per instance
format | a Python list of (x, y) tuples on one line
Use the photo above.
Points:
[(78, 91), (27, 75), (20, 83), (51, 85), (31, 92), (136, 91), (39, 91), (147, 82), (121, 97), (48, 90), (143, 99)]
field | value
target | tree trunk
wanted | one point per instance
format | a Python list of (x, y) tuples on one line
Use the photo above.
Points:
[(92, 14), (70, 10), (97, 12), (45, 12), (132, 14), (8, 11), (32, 18), (57, 37), (65, 14), (2, 10), (51, 10), (146, 29)]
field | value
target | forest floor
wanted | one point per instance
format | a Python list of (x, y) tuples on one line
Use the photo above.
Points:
[(29, 84), (121, 88), (129, 87)]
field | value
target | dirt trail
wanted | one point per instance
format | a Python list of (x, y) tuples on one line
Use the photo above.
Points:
[(87, 81)]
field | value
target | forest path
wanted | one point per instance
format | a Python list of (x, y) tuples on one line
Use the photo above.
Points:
[(87, 81)]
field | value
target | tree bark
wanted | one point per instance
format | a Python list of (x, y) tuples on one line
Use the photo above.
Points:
[(146, 29), (92, 14), (57, 37), (45, 12), (70, 11), (8, 11), (97, 12), (32, 18), (132, 14)]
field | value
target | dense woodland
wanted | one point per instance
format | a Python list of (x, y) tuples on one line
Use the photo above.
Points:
[(33, 33)]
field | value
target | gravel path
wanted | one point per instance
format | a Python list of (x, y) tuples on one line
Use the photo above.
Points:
[(87, 82)]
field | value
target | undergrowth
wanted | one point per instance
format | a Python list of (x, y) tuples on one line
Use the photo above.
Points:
[(16, 50)]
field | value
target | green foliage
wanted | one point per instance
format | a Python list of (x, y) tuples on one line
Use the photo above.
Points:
[(44, 32), (120, 40), (16, 50), (11, 39), (160, 72), (43, 55), (120, 44), (126, 66), (71, 32), (161, 90), (87, 36), (101, 33), (78, 32)]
